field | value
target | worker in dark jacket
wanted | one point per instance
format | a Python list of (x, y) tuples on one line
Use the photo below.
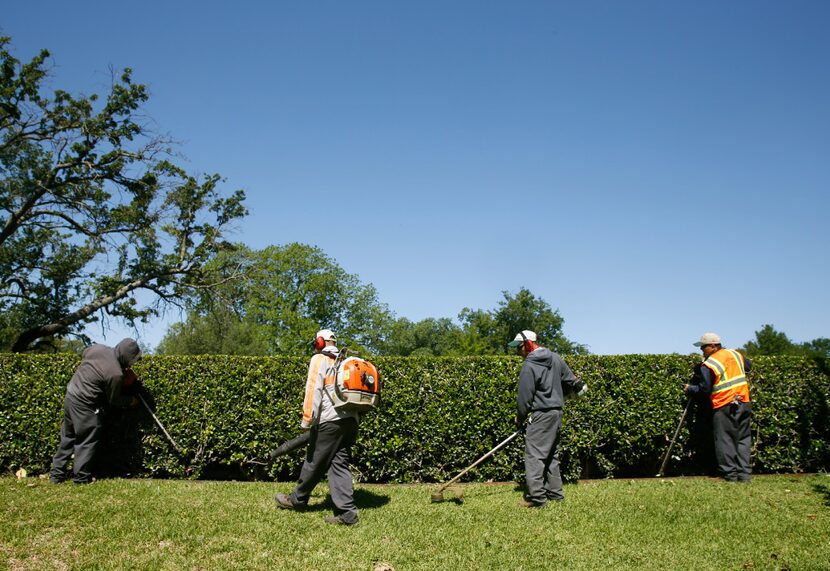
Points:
[(541, 397), (723, 379), (96, 385)]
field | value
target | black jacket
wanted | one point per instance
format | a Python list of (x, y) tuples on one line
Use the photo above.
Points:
[(99, 379)]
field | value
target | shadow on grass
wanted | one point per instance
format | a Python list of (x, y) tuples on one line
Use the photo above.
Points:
[(364, 499), (823, 491)]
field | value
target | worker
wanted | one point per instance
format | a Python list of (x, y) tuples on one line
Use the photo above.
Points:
[(723, 378), (541, 396), (96, 386), (333, 432)]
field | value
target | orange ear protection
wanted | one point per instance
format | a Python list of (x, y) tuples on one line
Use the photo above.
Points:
[(526, 342), (319, 343)]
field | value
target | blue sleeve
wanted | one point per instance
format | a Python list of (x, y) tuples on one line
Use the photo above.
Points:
[(705, 386)]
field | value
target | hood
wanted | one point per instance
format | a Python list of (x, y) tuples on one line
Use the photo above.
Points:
[(541, 356), (127, 352)]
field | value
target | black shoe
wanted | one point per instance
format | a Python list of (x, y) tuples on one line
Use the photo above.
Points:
[(56, 480), (338, 520), (285, 503)]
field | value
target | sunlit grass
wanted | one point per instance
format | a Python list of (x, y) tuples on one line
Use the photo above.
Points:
[(776, 522)]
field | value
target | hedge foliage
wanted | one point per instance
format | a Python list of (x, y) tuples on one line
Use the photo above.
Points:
[(436, 417)]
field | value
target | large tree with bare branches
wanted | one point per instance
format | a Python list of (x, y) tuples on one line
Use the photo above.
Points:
[(93, 210)]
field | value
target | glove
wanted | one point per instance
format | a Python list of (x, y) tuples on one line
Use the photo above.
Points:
[(583, 390)]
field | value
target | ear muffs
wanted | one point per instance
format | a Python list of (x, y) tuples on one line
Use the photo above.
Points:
[(525, 342), (319, 343)]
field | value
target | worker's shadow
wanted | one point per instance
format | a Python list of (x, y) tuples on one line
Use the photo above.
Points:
[(823, 491), (363, 499)]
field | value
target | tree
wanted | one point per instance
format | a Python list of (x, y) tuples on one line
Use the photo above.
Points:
[(287, 294), (493, 329), (768, 341), (481, 332), (428, 337), (93, 211)]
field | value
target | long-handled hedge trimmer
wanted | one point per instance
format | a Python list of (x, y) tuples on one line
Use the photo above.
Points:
[(671, 444), (160, 425)]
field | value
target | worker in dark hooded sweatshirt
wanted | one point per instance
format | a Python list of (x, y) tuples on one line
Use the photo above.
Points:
[(541, 397), (96, 386)]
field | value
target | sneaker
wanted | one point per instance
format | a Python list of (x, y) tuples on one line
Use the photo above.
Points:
[(338, 520), (285, 503), (56, 480)]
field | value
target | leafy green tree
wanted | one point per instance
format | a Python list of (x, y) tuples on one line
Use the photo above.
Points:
[(92, 210), (286, 295), (494, 329), (768, 341), (818, 347), (481, 332), (428, 337)]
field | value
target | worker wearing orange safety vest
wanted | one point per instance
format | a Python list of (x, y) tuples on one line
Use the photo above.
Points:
[(724, 380), (333, 432)]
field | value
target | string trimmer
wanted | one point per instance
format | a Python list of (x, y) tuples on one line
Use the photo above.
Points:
[(438, 496)]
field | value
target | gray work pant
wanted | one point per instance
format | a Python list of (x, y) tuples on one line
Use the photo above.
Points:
[(544, 482), (733, 441), (329, 452), (80, 434)]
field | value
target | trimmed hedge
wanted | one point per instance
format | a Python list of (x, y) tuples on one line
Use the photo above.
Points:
[(437, 416)]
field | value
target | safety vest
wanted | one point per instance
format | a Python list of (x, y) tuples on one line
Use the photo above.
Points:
[(730, 377), (321, 373)]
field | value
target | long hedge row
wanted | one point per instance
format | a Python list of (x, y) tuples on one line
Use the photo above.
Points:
[(437, 416)]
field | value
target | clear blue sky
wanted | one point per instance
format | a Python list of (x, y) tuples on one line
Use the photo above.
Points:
[(652, 169)]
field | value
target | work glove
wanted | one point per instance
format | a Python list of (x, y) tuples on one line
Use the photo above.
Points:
[(518, 423), (581, 391)]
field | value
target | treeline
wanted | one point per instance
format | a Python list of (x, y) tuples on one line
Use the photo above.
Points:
[(285, 293)]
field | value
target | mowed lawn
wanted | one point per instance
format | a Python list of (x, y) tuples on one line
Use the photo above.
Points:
[(776, 522)]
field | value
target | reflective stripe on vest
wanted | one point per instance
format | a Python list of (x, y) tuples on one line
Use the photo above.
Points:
[(730, 377)]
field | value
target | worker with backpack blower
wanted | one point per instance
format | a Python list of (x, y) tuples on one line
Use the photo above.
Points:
[(723, 378), (333, 432), (541, 396)]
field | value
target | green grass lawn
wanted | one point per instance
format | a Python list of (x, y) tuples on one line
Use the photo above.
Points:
[(777, 522)]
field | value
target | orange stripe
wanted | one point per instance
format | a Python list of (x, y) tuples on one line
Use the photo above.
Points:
[(310, 386)]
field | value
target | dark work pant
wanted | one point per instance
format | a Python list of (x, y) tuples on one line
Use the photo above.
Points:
[(544, 482), (329, 452), (80, 434), (733, 441)]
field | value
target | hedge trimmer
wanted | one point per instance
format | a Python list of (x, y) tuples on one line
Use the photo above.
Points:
[(160, 425), (671, 444)]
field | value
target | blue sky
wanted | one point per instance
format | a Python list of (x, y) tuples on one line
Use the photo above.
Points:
[(652, 169)]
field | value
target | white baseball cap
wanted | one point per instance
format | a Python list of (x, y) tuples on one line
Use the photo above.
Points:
[(708, 339), (526, 335), (326, 334)]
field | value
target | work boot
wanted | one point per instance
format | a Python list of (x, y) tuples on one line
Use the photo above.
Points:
[(285, 503), (338, 520), (529, 504)]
